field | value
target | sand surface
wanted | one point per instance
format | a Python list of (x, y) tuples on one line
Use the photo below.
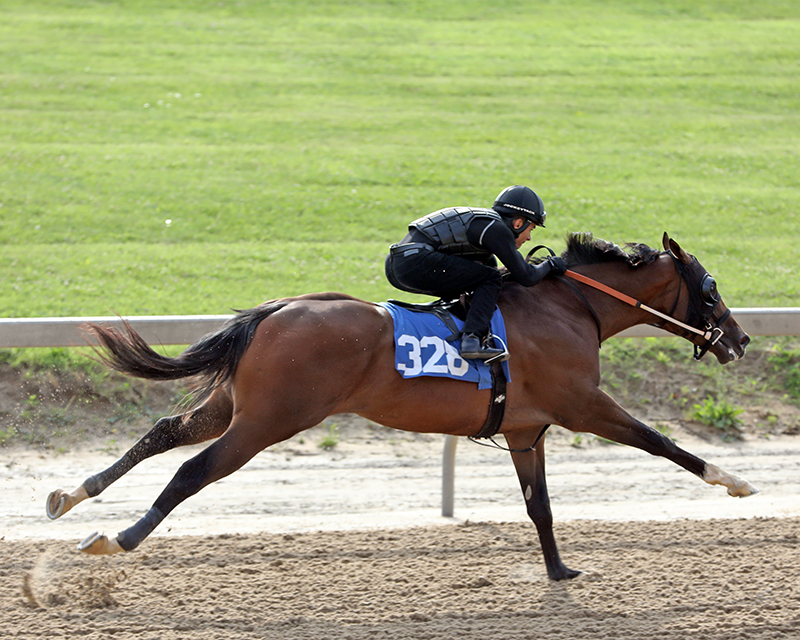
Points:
[(350, 543)]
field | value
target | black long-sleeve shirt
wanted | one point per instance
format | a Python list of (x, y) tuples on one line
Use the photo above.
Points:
[(498, 239)]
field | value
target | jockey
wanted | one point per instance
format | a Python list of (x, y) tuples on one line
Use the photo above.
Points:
[(452, 251)]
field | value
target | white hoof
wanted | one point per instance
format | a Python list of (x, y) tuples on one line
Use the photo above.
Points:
[(56, 503), (98, 544), (59, 501), (737, 487), (742, 489)]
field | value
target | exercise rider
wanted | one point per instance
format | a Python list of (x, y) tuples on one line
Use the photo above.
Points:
[(455, 250)]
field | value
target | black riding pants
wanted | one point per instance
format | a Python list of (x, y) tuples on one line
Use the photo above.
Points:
[(417, 268)]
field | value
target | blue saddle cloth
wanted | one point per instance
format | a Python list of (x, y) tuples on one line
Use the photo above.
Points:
[(421, 347)]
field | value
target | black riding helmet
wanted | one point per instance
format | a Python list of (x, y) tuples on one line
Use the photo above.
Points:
[(520, 202)]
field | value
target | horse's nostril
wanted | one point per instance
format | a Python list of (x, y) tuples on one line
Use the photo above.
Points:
[(744, 341)]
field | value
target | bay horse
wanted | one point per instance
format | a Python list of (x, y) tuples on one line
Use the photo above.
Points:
[(282, 367)]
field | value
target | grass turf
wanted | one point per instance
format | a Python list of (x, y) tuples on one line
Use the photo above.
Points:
[(288, 144)]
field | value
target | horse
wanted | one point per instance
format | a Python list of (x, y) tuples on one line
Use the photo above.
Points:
[(280, 368)]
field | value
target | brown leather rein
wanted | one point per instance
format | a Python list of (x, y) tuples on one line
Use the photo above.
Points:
[(711, 334)]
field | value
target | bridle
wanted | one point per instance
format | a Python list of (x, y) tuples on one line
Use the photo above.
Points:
[(703, 301)]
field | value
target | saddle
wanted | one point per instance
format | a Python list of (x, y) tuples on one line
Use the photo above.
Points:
[(445, 310)]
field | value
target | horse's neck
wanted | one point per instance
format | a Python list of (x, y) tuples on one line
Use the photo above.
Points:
[(655, 285)]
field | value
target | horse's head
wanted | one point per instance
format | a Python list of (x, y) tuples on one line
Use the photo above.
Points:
[(705, 310)]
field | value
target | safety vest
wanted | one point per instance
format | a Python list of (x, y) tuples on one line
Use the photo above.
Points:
[(447, 229)]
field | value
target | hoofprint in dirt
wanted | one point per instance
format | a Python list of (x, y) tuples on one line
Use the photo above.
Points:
[(376, 477), (712, 579)]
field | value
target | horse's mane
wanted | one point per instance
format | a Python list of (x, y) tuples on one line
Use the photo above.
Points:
[(584, 248)]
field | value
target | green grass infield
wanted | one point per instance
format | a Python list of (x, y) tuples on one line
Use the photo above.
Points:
[(162, 157)]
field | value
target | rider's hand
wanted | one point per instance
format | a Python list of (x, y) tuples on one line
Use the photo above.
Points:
[(557, 265)]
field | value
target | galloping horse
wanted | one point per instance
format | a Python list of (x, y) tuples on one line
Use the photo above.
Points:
[(282, 367)]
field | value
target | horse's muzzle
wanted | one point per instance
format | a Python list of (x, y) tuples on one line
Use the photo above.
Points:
[(728, 351)]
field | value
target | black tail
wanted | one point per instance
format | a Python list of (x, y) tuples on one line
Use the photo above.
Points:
[(213, 358)]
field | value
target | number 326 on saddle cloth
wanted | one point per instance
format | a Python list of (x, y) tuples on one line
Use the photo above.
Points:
[(423, 346)]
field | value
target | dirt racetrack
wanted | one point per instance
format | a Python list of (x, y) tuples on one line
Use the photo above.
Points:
[(703, 579), (349, 543)]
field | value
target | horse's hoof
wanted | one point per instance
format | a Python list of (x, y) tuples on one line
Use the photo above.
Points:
[(737, 487), (566, 574), (742, 489), (56, 503), (98, 544)]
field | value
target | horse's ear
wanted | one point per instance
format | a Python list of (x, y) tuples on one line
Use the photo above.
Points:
[(675, 249)]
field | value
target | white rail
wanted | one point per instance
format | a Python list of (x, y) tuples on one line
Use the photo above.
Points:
[(66, 332)]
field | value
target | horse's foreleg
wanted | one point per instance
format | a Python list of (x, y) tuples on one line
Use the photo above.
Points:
[(204, 423), (531, 473), (612, 422)]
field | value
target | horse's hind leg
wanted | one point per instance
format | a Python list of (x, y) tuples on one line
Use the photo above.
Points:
[(208, 421), (237, 446), (531, 474)]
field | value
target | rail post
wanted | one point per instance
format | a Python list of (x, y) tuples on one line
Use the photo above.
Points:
[(448, 475)]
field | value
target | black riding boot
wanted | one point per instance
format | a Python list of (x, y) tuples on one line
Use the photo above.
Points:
[(473, 348), (479, 316)]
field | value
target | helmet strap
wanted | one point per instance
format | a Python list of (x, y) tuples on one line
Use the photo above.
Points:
[(510, 224)]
